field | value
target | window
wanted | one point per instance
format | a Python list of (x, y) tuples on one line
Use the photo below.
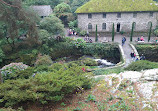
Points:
[(104, 26), (89, 15), (118, 15), (104, 15), (151, 14), (134, 15), (89, 26)]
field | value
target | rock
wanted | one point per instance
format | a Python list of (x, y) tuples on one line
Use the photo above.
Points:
[(146, 89), (151, 75), (131, 75)]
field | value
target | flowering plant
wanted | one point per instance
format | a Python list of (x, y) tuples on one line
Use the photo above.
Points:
[(9, 70)]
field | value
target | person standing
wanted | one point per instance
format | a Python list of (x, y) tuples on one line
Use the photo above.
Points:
[(142, 57), (123, 40)]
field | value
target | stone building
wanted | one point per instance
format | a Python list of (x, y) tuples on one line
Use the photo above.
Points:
[(122, 13), (42, 10)]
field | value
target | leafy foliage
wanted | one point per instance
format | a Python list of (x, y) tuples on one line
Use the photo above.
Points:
[(16, 17), (43, 60), (43, 35), (149, 50), (63, 11), (44, 87), (1, 55), (53, 25)]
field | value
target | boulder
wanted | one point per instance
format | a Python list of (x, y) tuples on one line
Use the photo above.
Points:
[(150, 75)]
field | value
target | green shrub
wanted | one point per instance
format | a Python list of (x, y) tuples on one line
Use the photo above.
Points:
[(27, 58), (108, 71), (41, 68), (24, 74), (43, 35), (44, 87), (83, 33), (149, 50), (73, 24), (89, 62), (141, 65), (53, 25), (43, 60), (9, 71), (2, 56), (103, 50), (90, 97), (63, 49)]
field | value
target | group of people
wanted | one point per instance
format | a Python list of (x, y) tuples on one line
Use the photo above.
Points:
[(133, 56), (140, 39), (72, 32)]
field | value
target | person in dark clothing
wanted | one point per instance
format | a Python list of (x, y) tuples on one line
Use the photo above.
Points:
[(132, 54), (123, 40), (142, 57)]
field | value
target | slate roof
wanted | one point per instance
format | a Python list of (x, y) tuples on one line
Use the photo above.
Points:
[(42, 10), (99, 6)]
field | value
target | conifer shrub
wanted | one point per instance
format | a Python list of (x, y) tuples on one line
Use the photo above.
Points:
[(141, 65), (43, 60), (44, 87)]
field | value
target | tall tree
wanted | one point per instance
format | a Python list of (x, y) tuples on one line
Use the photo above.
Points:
[(96, 34), (113, 32), (77, 3), (132, 31), (150, 29), (16, 17), (63, 11)]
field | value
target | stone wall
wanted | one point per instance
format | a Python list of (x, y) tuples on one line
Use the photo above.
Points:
[(125, 21)]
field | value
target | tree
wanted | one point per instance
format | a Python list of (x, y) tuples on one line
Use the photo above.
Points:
[(53, 25), (96, 34), (133, 25), (52, 3), (77, 3), (63, 11), (16, 17), (113, 32), (150, 29), (43, 35)]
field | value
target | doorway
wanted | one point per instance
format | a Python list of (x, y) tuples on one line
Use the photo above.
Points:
[(118, 27)]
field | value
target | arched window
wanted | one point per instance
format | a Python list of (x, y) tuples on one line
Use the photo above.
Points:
[(104, 26), (89, 26)]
